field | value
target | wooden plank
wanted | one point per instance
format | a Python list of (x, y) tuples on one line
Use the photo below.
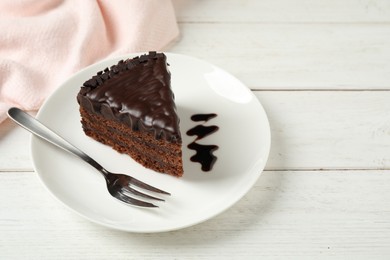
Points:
[(310, 130), (14, 147), (328, 129), (300, 215), (294, 56), (299, 11)]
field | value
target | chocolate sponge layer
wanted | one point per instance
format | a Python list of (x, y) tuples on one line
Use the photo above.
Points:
[(142, 147)]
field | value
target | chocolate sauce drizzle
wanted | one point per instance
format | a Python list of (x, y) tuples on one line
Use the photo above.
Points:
[(202, 131), (204, 153), (202, 117)]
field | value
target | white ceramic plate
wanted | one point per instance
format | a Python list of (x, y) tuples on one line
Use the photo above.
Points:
[(243, 139)]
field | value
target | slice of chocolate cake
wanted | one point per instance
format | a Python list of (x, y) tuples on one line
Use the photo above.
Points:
[(130, 107)]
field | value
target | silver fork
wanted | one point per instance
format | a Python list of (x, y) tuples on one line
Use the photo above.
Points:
[(118, 185)]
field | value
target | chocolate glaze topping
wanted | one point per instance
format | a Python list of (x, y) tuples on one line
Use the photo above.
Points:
[(135, 92)]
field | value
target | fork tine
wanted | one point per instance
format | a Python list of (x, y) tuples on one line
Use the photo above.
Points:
[(145, 186), (129, 200), (128, 189)]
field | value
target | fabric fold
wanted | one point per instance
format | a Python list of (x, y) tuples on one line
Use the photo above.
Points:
[(45, 42)]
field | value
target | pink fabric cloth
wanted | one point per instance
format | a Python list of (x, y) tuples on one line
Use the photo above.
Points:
[(44, 42)]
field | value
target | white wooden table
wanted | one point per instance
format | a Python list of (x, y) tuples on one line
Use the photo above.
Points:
[(321, 69)]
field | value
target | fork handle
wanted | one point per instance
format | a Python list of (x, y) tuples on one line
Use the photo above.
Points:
[(36, 127)]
